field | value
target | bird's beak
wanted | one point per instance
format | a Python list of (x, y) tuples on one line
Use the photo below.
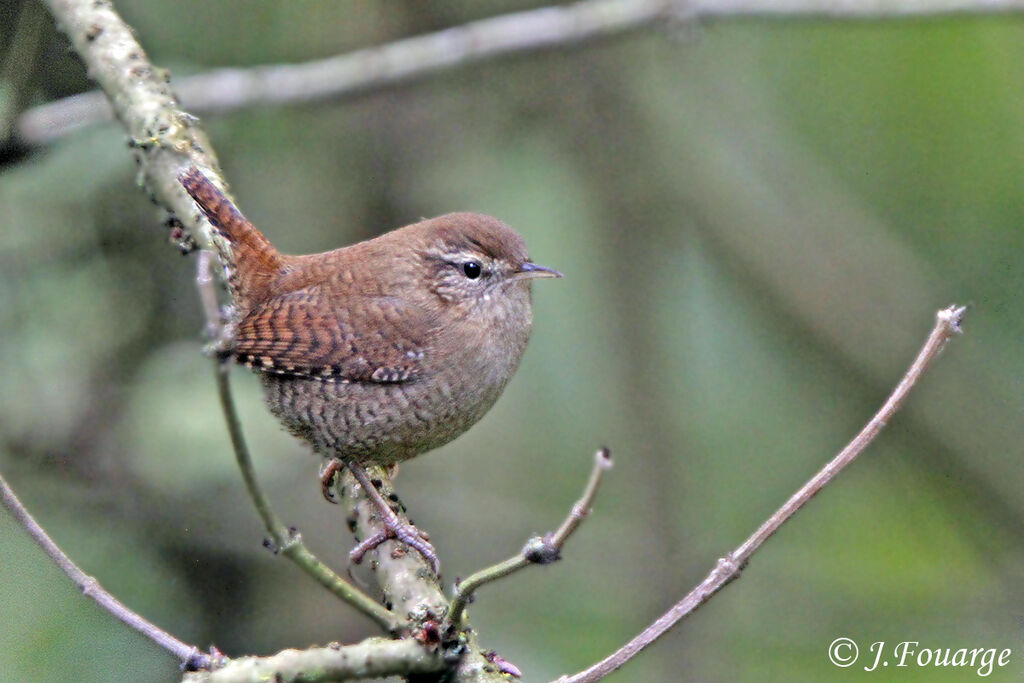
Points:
[(530, 271)]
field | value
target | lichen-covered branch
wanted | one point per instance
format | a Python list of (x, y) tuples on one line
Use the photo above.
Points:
[(372, 658), (409, 587)]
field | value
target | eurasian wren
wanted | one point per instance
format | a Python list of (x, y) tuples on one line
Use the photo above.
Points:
[(383, 350)]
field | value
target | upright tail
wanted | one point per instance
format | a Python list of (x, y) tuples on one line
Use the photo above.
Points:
[(252, 262)]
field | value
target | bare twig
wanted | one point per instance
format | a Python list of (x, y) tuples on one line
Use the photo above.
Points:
[(372, 658), (189, 655), (947, 324), (538, 550), (602, 463), (403, 61), (286, 541)]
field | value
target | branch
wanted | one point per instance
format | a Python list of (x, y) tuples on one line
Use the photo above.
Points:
[(411, 59), (409, 586), (538, 550), (372, 658), (947, 323), (189, 655)]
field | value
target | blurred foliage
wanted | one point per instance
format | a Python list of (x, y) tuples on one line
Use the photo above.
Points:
[(756, 220)]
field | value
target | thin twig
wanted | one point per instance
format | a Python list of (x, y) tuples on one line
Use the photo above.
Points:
[(602, 463), (189, 655), (411, 59), (947, 324), (286, 541), (538, 550)]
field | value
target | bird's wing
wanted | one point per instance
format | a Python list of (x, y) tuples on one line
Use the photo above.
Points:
[(307, 334)]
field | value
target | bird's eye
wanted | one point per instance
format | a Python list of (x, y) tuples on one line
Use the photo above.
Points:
[(471, 269)]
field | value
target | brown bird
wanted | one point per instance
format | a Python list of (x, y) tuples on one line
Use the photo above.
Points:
[(379, 351)]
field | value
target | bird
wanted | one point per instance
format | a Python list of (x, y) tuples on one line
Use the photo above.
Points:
[(383, 350)]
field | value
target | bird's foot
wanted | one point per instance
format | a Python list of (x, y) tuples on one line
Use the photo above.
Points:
[(392, 526), (406, 533), (328, 476)]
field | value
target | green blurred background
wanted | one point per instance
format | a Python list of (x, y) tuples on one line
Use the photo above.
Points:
[(757, 221)]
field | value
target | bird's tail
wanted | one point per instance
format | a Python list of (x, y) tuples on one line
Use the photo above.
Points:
[(250, 259)]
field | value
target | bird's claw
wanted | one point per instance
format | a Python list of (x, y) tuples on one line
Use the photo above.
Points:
[(328, 478), (405, 533)]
